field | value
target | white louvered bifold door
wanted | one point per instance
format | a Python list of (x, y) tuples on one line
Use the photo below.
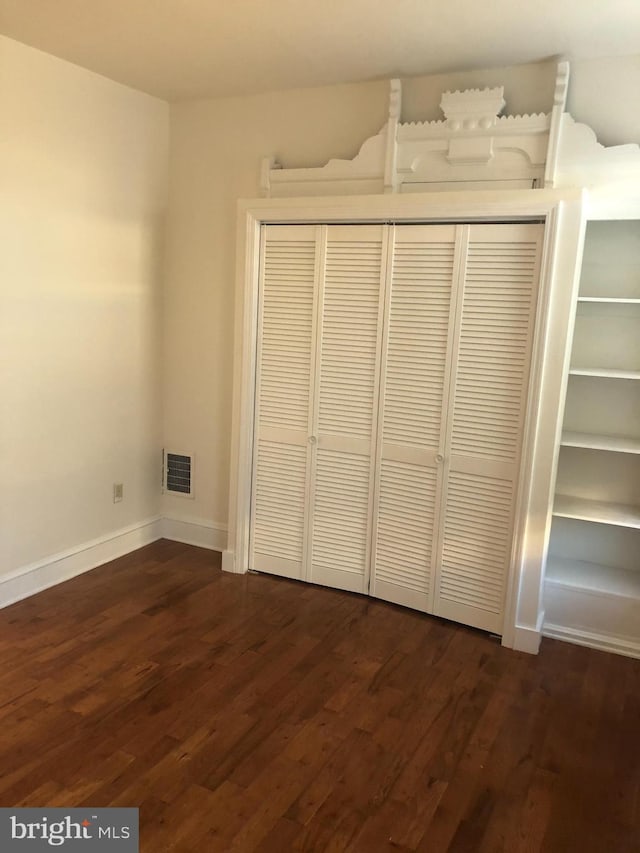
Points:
[(346, 399), (392, 379), (493, 339), (284, 382), (414, 388)]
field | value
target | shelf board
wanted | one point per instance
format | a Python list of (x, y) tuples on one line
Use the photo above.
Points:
[(592, 577), (621, 515), (600, 442), (615, 300), (606, 372)]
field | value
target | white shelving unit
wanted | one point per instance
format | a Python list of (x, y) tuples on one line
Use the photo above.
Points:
[(592, 581)]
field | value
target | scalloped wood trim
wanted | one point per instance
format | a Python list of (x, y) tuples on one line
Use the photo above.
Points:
[(473, 147), (584, 162)]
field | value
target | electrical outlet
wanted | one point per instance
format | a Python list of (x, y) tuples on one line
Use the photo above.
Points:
[(118, 492)]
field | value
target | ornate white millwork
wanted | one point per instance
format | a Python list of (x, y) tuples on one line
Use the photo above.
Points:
[(583, 161), (472, 109), (474, 147), (390, 170), (363, 174), (557, 111)]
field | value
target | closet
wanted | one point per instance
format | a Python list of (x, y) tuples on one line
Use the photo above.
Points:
[(391, 389), (403, 349)]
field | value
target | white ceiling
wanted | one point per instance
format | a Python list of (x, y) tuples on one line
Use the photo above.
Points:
[(179, 49)]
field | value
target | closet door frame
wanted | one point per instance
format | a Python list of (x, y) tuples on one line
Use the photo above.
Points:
[(562, 212)]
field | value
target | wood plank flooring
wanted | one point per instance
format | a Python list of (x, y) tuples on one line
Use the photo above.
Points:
[(248, 713)]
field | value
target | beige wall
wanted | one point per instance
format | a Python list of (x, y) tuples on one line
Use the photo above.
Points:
[(216, 150), (83, 166), (605, 94)]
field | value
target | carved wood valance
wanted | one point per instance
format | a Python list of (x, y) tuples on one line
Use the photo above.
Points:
[(473, 147)]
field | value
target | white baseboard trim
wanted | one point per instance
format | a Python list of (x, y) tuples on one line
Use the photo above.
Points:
[(605, 642), (36, 577), (527, 639), (195, 531)]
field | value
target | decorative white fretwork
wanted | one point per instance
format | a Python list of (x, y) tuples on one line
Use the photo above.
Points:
[(473, 147)]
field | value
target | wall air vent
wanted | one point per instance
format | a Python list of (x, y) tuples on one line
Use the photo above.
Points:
[(178, 473)]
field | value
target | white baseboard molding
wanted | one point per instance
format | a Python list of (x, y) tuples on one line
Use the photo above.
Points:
[(195, 531), (620, 645), (35, 577)]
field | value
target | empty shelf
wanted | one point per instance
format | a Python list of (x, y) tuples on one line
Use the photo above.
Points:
[(600, 442), (600, 512), (614, 300), (578, 574), (609, 373)]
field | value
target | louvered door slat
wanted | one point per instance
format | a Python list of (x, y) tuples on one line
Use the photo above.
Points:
[(340, 521), (418, 330), (279, 517), (497, 363), (415, 371), (284, 354), (404, 527), (347, 379), (477, 542), (283, 399), (494, 326), (350, 313)]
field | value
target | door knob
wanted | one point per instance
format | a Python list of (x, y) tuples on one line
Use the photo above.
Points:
[(439, 458)]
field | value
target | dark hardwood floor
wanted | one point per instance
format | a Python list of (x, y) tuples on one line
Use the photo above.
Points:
[(257, 714)]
